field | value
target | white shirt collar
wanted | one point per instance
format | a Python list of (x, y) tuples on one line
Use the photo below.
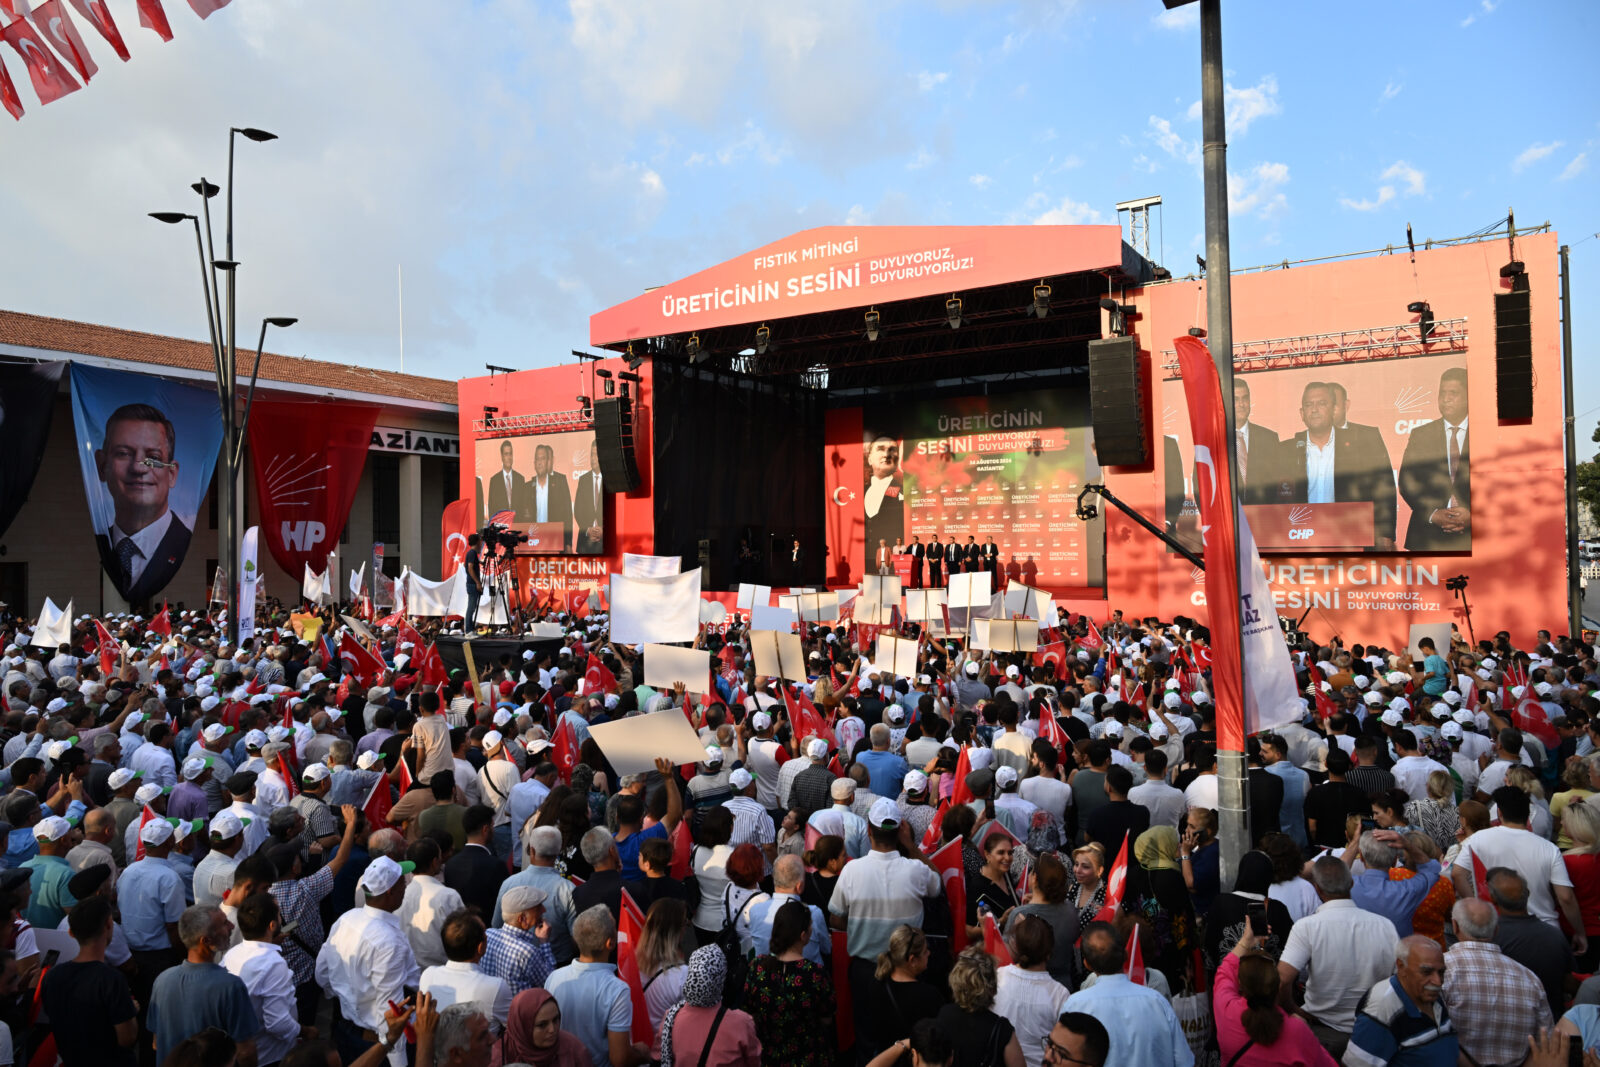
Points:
[(146, 541), (1448, 425)]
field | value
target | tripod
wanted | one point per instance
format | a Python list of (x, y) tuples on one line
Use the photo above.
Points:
[(1458, 585), (497, 593)]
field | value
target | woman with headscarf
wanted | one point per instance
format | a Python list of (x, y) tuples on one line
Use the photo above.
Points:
[(534, 1035), (1230, 910), (701, 1020), (1163, 902)]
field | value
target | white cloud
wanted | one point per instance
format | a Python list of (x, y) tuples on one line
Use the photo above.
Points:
[(927, 81), (1171, 142), (1390, 91), (981, 181), (1144, 164), (1385, 194), (1246, 105), (1259, 191), (1485, 7), (1415, 181), (923, 158), (651, 182), (1066, 212), (1178, 18), (1579, 164), (1532, 154), (858, 215)]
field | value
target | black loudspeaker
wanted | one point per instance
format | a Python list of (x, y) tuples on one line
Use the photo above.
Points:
[(1116, 403), (613, 432), (1513, 353)]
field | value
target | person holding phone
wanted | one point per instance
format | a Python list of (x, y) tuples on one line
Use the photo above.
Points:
[(1251, 1029)]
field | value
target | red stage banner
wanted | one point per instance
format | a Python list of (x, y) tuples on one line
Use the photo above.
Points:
[(307, 459)]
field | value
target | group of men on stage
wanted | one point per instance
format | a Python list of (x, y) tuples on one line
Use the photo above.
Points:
[(548, 498), (943, 559)]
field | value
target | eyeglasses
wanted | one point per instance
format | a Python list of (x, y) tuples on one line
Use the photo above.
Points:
[(1056, 1054)]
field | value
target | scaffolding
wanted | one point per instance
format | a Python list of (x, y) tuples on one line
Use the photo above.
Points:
[(1447, 337)]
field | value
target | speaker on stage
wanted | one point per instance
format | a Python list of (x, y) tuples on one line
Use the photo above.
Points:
[(613, 431), (1513, 351), (1116, 403)]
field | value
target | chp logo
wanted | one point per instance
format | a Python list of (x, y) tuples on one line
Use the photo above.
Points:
[(1297, 516), (1409, 403)]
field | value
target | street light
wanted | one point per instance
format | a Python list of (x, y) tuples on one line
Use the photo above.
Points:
[(172, 218), (283, 323)]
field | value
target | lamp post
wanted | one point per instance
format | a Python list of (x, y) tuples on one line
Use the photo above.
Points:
[(283, 323)]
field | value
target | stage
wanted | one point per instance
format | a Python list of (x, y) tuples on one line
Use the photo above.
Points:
[(490, 649)]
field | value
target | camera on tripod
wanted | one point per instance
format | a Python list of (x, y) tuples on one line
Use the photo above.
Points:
[(1456, 584), (502, 537)]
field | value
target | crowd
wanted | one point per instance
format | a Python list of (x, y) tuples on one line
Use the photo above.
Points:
[(275, 853)]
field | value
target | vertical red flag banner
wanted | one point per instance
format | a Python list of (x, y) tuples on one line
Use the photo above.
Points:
[(630, 928), (565, 748), (50, 79), (56, 25), (153, 17), (107, 647), (95, 13), (378, 803), (1116, 885), (994, 943), (1267, 697), (948, 862), (307, 459), (454, 529), (682, 851), (1136, 972), (162, 622)]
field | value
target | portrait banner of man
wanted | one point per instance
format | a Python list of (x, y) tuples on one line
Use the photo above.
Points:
[(883, 496), (147, 447)]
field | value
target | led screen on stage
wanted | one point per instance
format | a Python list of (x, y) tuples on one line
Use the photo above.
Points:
[(551, 485), (964, 474)]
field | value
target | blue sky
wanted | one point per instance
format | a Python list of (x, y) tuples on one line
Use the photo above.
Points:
[(527, 164)]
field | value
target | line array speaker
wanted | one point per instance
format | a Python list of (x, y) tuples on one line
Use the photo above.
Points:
[(1116, 402), (613, 431), (1513, 354)]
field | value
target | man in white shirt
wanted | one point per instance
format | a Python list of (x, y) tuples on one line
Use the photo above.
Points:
[(428, 902), (213, 875), (761, 754), (1513, 845), (1412, 769), (495, 782), (258, 962), (459, 981), (367, 962), (1045, 789), (1165, 804)]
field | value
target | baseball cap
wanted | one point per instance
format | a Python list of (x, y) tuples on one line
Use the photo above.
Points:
[(1361, 681), (1005, 776), (1543, 689), (1373, 699), (817, 749), (51, 828), (539, 744), (315, 772), (182, 828), (216, 732), (1012, 672), (740, 778), (195, 766), (895, 714), (1200, 696), (1400, 704), (1451, 697), (492, 741), (366, 760), (713, 754), (1113, 728), (381, 875), (1440, 711), (1465, 717), (1396, 677), (56, 705), (502, 717), (254, 740), (150, 791), (226, 825), (1392, 717), (972, 669), (915, 782), (884, 813), (156, 832), (377, 694), (121, 777), (1451, 731), (1172, 700), (760, 721), (981, 780), (842, 789), (278, 732), (209, 703)]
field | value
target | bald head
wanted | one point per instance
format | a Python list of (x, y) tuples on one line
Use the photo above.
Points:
[(788, 872), (321, 723), (386, 842), (99, 825)]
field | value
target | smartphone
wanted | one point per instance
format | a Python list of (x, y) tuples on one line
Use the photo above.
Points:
[(1368, 824), (1257, 914)]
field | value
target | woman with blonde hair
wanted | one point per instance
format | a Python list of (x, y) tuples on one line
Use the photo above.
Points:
[(980, 1036), (898, 996), (660, 956), (1435, 815), (1581, 823), (1579, 777), (1089, 869)]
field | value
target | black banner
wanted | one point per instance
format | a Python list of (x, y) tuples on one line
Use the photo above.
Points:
[(27, 403)]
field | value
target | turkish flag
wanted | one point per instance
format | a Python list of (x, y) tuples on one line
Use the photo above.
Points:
[(406, 632), (153, 17), (404, 781), (565, 748), (207, 8), (51, 80), (8, 93), (145, 816), (577, 602), (1116, 883), (961, 795), (682, 851), (630, 928), (378, 803), (359, 661), (1092, 640), (598, 679), (1135, 971), (454, 529), (948, 862), (56, 25), (1531, 718), (431, 666), (1050, 730), (1136, 698), (94, 11), (307, 459), (1054, 653), (1480, 877), (994, 943), (805, 717), (342, 694), (107, 646), (162, 622)]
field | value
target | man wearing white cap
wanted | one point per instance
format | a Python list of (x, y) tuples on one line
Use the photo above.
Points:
[(154, 757), (213, 875), (272, 790), (48, 897), (495, 782), (312, 804), (840, 821), (366, 963), (751, 822), (809, 792), (762, 756), (151, 896)]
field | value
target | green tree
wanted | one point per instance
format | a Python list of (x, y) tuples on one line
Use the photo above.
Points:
[(1588, 475)]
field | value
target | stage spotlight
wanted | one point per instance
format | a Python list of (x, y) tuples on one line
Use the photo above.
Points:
[(583, 407), (1195, 331), (1201, 263), (1421, 308), (633, 360), (874, 321), (1041, 300), (489, 413), (605, 376), (952, 312), (763, 339)]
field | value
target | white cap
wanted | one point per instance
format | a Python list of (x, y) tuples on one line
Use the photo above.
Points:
[(1113, 728), (1172, 700), (194, 767), (366, 760), (1543, 689), (972, 669), (148, 792), (56, 705), (216, 732), (1004, 776), (884, 813), (1451, 697), (740, 778), (209, 703), (1397, 677), (979, 758), (1200, 696), (1171, 683), (119, 778), (538, 745), (184, 827), (134, 719), (1158, 731), (315, 772), (226, 824), (1451, 731), (156, 832), (760, 721), (1400, 704), (817, 749), (895, 714), (1012, 672), (502, 717), (1373, 699), (1465, 717), (255, 739), (1393, 718), (916, 781), (923, 679), (1360, 681), (1490, 663), (380, 876), (713, 754), (277, 732), (51, 828), (492, 741)]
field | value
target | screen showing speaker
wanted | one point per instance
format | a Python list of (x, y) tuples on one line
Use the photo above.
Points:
[(547, 486)]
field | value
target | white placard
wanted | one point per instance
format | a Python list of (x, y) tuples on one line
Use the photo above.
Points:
[(55, 626), (655, 610), (969, 590), (666, 664), (635, 565), (880, 596), (713, 611), (897, 655), (765, 617), (1439, 631), (1005, 635), (778, 655), (544, 629), (923, 605), (811, 607), (751, 596), (632, 745)]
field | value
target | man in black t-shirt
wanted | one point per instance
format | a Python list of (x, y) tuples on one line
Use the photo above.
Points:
[(1329, 804), (88, 1000)]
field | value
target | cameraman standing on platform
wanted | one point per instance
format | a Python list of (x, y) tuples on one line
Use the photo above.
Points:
[(474, 566)]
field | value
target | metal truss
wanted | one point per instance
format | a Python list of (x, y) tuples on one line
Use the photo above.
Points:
[(547, 422), (1364, 345)]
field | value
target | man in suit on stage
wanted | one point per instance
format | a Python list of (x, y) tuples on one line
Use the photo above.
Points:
[(1257, 448), (935, 563), (882, 501), (138, 465), (1325, 465), (589, 506), (508, 490), (1434, 474), (549, 499), (797, 563), (974, 555), (916, 550), (991, 560), (953, 558)]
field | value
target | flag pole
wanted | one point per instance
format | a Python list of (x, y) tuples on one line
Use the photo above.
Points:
[(1233, 817)]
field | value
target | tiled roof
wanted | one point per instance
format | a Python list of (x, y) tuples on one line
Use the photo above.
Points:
[(108, 342)]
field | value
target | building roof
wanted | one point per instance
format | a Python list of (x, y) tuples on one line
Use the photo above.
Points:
[(108, 342)]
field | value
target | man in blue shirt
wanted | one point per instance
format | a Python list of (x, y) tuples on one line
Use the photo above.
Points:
[(888, 770), (595, 1004), (197, 994), (49, 898), (1402, 1022), (152, 900), (1144, 1030), (1296, 782), (1374, 892)]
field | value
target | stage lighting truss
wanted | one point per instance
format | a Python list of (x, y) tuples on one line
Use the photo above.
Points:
[(544, 422), (1346, 346)]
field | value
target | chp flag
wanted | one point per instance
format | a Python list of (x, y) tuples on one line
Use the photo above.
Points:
[(1238, 612)]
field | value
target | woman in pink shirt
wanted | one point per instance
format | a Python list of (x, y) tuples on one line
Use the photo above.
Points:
[(1252, 1031), (700, 1019)]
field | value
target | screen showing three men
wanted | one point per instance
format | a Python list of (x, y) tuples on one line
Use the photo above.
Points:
[(546, 486), (1361, 456)]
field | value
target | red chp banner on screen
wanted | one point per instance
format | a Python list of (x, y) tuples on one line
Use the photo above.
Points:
[(307, 459)]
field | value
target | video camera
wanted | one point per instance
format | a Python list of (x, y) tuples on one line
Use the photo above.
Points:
[(502, 537)]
